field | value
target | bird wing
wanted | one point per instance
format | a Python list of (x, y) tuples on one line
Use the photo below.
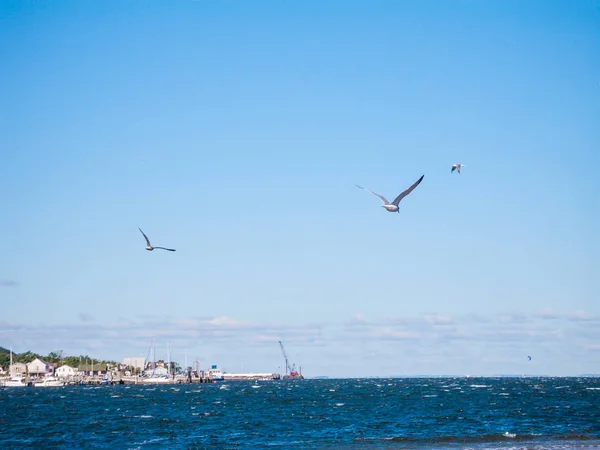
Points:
[(374, 193), (406, 192), (145, 237), (168, 249), (453, 168)]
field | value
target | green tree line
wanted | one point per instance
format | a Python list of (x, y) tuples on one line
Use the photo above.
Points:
[(52, 357)]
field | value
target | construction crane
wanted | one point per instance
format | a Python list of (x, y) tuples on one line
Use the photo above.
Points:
[(292, 369)]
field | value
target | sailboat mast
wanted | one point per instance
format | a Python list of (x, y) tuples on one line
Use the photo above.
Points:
[(153, 358), (168, 358)]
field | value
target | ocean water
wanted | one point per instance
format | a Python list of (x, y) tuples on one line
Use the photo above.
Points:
[(430, 413)]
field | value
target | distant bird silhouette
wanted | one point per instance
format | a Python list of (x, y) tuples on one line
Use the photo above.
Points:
[(457, 167), (393, 207), (529, 358), (149, 246)]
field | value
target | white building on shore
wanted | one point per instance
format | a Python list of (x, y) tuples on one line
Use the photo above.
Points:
[(39, 368), (65, 372), (135, 361)]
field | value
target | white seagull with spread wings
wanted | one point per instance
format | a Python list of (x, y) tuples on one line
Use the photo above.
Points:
[(457, 167), (393, 207), (149, 246)]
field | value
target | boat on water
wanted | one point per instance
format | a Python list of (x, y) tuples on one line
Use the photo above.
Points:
[(293, 376), (15, 381), (215, 374), (158, 374), (50, 381), (290, 371), (161, 379)]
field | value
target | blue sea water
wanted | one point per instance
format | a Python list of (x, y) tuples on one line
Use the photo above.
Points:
[(399, 413)]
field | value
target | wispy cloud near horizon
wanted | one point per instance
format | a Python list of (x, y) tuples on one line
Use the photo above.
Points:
[(446, 342)]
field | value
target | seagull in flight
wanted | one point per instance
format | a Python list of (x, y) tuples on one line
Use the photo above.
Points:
[(457, 167), (149, 246), (393, 207)]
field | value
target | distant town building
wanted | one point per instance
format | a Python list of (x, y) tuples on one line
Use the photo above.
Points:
[(137, 362), (2, 372), (18, 368), (37, 367), (92, 370), (65, 372)]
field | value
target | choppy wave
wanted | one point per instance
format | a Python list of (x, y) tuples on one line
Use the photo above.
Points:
[(492, 441), (490, 413)]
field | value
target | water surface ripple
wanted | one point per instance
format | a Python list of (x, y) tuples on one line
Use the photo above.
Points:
[(532, 413)]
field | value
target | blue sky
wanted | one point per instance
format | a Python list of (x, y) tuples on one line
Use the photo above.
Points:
[(235, 131)]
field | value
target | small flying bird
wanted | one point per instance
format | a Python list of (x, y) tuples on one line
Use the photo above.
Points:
[(149, 246), (393, 207), (529, 358), (457, 167)]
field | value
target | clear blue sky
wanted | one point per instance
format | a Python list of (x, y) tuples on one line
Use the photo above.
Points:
[(234, 131)]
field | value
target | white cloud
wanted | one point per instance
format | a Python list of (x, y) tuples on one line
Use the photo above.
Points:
[(582, 315), (394, 334), (547, 313), (431, 341), (226, 322), (436, 319), (358, 319)]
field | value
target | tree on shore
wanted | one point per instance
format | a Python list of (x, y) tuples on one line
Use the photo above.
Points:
[(55, 357)]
